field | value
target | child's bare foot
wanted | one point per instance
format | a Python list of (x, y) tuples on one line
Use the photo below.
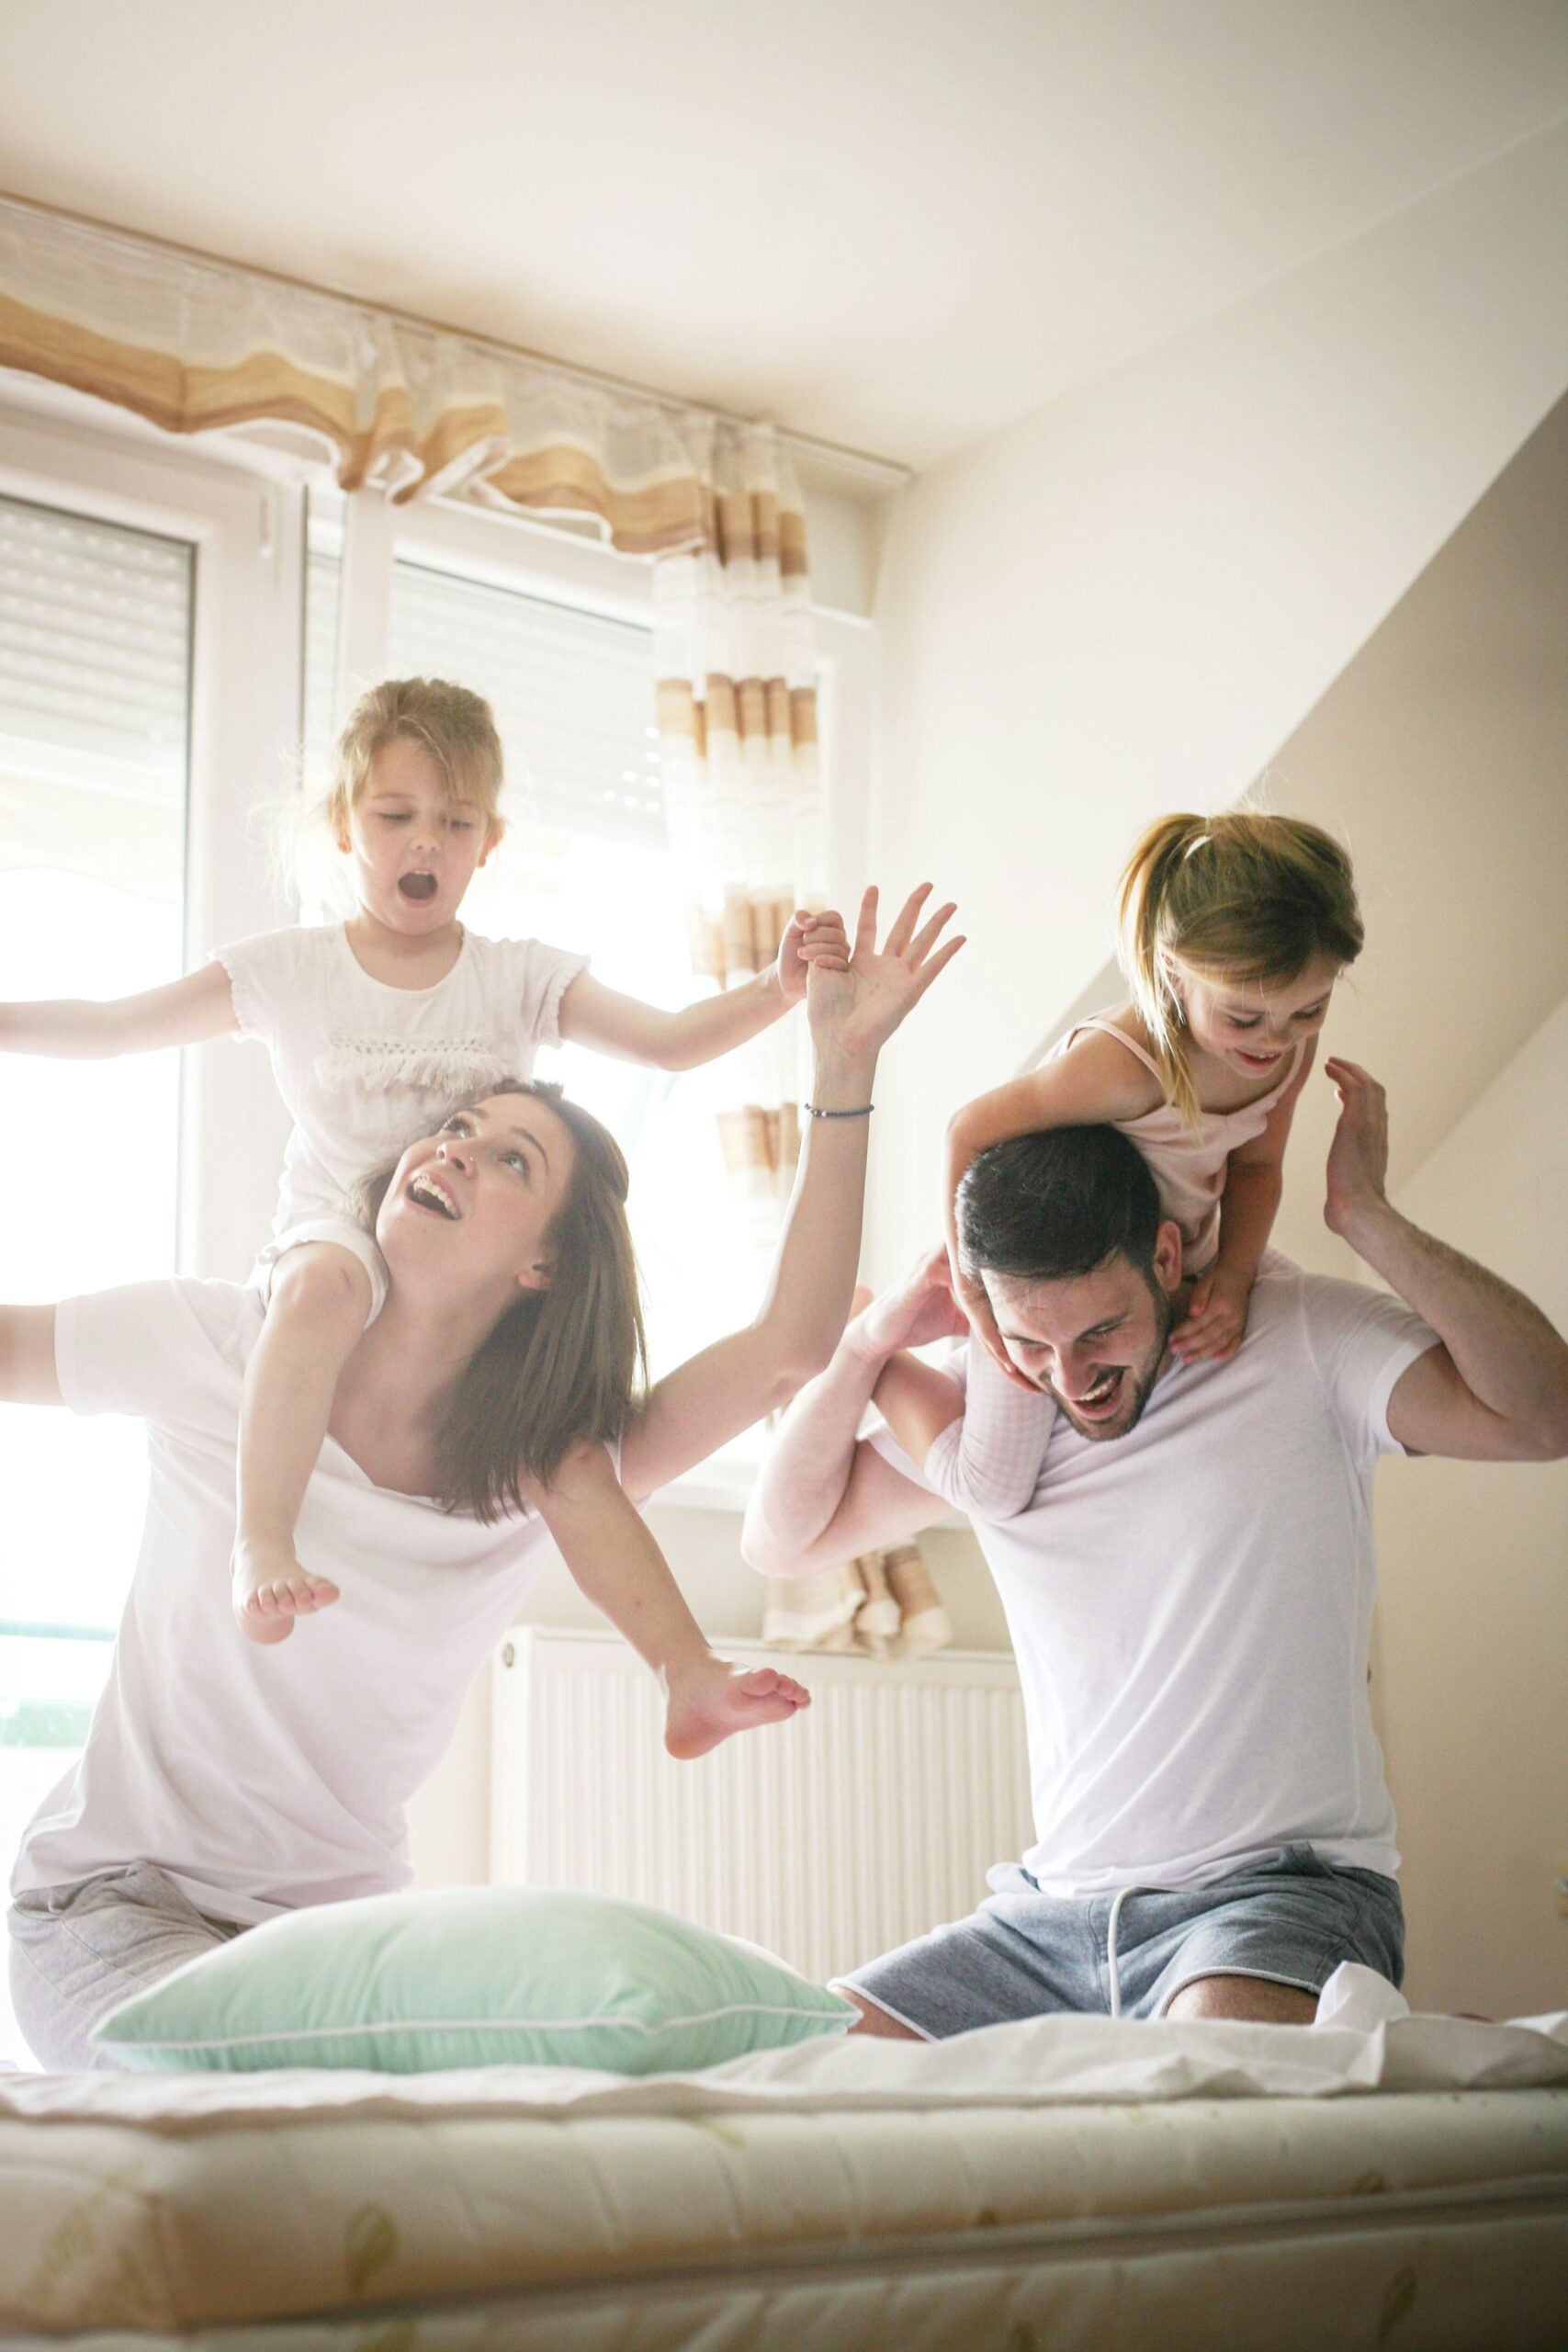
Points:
[(705, 1706), (270, 1590)]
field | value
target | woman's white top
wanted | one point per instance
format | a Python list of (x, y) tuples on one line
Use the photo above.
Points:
[(261, 1779), (366, 1068)]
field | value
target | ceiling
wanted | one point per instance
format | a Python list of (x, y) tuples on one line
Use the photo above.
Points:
[(892, 224)]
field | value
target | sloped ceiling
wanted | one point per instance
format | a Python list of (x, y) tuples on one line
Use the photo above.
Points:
[(1439, 755)]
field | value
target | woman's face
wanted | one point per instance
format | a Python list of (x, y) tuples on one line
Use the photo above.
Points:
[(474, 1204)]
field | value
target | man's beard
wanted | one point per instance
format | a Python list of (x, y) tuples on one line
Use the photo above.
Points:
[(1141, 1379)]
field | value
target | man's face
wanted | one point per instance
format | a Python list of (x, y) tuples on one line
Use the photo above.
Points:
[(1094, 1341)]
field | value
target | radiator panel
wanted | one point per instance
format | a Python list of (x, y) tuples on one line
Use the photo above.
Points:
[(870, 1818)]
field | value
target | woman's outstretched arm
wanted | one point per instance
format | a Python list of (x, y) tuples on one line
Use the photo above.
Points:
[(718, 1393), (27, 1375)]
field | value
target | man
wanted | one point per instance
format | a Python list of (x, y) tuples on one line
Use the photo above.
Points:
[(1189, 1591)]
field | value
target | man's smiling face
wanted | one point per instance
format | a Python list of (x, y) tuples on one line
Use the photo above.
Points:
[(1094, 1341)]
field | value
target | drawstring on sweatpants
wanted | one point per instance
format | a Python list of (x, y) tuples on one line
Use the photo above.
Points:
[(1120, 1896)]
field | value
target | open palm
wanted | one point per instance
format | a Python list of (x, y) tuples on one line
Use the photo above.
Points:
[(856, 1011)]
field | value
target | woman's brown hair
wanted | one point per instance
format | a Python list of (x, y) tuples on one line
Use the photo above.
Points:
[(1241, 897), (564, 1365)]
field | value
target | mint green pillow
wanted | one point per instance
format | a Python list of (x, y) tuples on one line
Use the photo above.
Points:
[(472, 1976)]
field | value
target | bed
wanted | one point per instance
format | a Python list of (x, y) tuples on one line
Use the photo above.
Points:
[(1373, 2179)]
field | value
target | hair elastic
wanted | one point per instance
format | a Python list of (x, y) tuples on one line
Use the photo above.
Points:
[(864, 1113)]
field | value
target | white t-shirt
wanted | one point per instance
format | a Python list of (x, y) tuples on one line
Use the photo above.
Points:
[(364, 1067), (1190, 1605), (262, 1779)]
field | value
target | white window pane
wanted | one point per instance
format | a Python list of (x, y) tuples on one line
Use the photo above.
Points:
[(587, 865), (94, 631), (572, 694)]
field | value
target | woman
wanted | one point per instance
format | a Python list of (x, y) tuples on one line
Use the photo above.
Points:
[(222, 1784)]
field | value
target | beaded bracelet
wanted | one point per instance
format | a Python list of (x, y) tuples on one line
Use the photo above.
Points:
[(864, 1113)]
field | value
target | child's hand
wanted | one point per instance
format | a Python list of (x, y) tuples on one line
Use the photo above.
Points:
[(811, 939), (1216, 1318), (975, 1299)]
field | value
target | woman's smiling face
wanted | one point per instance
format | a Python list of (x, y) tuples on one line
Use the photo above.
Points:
[(478, 1200)]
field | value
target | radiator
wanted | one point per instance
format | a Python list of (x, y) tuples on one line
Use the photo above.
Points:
[(870, 1817)]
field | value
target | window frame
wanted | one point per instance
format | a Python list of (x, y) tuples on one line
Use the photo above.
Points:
[(246, 534), (243, 507)]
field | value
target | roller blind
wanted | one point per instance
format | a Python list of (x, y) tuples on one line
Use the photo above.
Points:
[(94, 652), (572, 694)]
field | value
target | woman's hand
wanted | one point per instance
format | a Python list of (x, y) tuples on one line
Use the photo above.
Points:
[(1215, 1320), (854, 1010)]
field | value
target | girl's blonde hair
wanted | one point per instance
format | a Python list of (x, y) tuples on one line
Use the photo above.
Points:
[(454, 725), (563, 1366), (1242, 896)]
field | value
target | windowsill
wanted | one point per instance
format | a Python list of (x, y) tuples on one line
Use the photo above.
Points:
[(723, 1483)]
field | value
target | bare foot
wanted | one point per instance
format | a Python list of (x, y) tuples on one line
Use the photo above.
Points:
[(269, 1589), (706, 1706)]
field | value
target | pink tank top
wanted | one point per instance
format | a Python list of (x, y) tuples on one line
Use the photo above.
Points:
[(1189, 1163)]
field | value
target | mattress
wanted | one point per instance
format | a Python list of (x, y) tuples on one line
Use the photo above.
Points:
[(1066, 2182)]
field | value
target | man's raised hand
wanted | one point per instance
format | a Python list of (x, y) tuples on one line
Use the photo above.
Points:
[(914, 1312), (1357, 1157)]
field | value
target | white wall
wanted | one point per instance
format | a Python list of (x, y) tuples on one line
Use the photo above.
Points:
[(1128, 602), (1470, 1661)]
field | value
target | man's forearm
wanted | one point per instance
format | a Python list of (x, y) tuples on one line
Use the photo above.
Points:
[(807, 1469), (1503, 1347)]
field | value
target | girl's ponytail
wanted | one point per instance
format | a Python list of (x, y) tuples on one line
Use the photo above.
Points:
[(1244, 897), (1142, 922)]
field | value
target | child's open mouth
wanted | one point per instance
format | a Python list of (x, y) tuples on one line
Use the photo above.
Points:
[(420, 887)]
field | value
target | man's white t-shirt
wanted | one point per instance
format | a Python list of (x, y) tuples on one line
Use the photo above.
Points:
[(1190, 1605), (262, 1779), (365, 1068)]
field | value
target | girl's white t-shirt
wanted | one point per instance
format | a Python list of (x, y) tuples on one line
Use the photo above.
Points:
[(262, 1779), (366, 1068), (1190, 1605)]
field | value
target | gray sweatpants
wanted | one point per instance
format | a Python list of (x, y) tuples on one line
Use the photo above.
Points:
[(78, 1951)]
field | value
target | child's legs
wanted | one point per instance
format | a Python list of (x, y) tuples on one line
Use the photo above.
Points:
[(322, 1296)]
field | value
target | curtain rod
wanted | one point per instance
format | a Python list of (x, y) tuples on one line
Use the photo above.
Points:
[(888, 471)]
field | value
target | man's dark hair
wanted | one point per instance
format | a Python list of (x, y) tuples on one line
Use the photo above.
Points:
[(1043, 1207)]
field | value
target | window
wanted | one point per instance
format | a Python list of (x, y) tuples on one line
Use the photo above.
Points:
[(94, 704), (586, 863), (127, 584)]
